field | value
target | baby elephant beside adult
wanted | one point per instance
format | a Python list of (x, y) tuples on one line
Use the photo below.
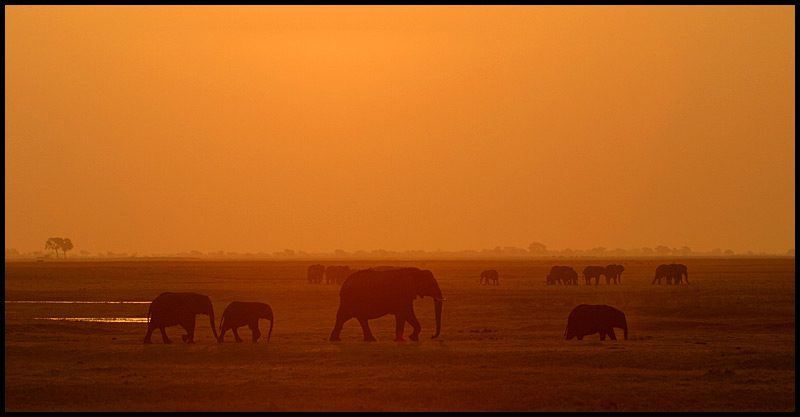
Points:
[(369, 294), (239, 314), (590, 319), (178, 308)]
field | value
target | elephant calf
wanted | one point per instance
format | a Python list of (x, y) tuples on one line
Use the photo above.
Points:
[(239, 314)]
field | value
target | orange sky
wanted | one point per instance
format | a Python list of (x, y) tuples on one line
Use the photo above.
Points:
[(315, 128)]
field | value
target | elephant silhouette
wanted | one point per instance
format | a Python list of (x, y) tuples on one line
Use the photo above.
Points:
[(613, 273), (172, 309), (670, 272), (586, 319), (238, 314), (315, 273), (370, 294), (487, 277), (680, 270), (337, 274), (593, 272), (562, 274)]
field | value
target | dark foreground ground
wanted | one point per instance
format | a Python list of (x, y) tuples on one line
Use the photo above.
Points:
[(724, 343)]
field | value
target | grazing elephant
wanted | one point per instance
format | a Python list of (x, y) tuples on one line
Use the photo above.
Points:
[(559, 274), (680, 270), (489, 276), (337, 274), (590, 319), (238, 314), (670, 272), (178, 308), (614, 272), (593, 272), (315, 273), (369, 294)]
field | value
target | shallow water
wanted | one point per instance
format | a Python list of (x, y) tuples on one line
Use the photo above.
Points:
[(99, 319)]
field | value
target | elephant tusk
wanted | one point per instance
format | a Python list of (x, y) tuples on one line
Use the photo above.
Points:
[(440, 299)]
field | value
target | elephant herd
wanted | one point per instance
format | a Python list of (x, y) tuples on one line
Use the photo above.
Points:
[(365, 295), (180, 309), (372, 293), (673, 273), (333, 274)]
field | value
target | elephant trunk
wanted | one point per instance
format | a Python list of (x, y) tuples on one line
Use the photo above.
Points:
[(272, 321), (625, 326), (211, 319), (437, 306)]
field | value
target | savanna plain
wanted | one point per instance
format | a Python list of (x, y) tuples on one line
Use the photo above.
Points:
[(725, 342)]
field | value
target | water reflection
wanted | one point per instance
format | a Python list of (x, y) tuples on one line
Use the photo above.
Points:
[(99, 319), (78, 302)]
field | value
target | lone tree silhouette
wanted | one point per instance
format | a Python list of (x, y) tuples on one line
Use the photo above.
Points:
[(53, 243), (66, 244), (57, 243)]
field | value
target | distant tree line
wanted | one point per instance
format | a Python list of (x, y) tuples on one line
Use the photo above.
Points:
[(535, 249)]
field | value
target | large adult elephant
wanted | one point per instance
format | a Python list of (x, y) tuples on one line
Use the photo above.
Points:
[(590, 319), (670, 272), (593, 272), (337, 274), (178, 308), (489, 276), (238, 314), (559, 274), (680, 270), (614, 273), (369, 294), (315, 273)]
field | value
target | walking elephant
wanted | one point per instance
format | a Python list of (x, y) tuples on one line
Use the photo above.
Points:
[(586, 319), (238, 314), (315, 273), (680, 270), (670, 272), (613, 273), (487, 277), (178, 308), (370, 294), (559, 274), (593, 272), (337, 274)]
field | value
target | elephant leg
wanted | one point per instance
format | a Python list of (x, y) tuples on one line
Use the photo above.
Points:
[(254, 327), (188, 324), (400, 323), (341, 318), (611, 334), (236, 335), (150, 328), (222, 333), (412, 320), (580, 337), (602, 334), (368, 337)]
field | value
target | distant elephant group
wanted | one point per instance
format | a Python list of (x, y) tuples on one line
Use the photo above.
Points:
[(333, 274), (673, 273)]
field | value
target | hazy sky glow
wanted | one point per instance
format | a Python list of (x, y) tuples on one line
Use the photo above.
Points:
[(259, 128)]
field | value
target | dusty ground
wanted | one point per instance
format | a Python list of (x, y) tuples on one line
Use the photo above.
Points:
[(726, 342)]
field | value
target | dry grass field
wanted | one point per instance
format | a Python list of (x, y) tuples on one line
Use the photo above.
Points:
[(724, 343)]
